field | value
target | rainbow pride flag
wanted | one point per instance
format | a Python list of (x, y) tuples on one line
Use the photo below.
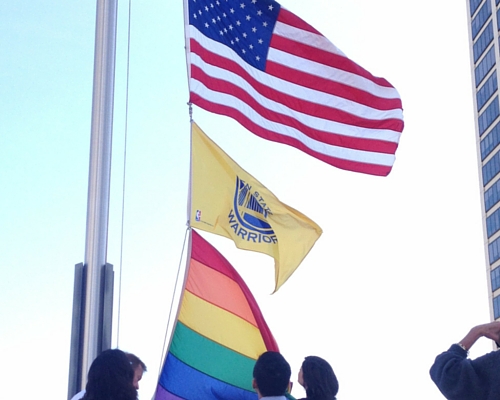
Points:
[(219, 333)]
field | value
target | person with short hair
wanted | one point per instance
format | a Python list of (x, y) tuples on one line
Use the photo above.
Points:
[(271, 376), (318, 379), (459, 378), (139, 368)]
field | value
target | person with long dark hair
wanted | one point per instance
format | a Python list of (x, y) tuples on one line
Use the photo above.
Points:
[(111, 377), (318, 379), (137, 365)]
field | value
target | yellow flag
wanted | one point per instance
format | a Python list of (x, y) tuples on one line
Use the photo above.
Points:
[(230, 202)]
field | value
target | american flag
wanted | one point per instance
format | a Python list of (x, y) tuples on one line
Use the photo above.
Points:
[(258, 63)]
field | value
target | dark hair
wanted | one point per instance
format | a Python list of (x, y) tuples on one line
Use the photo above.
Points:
[(320, 381), (272, 374), (136, 361), (111, 377)]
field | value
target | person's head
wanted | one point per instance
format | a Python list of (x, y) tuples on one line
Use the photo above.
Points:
[(111, 377), (139, 368), (271, 374), (318, 378)]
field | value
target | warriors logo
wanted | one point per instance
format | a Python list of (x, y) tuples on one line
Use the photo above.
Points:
[(248, 218)]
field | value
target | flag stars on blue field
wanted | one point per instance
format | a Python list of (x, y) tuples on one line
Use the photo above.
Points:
[(243, 25)]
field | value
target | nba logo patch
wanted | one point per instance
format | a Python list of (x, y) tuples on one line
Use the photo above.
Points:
[(198, 215)]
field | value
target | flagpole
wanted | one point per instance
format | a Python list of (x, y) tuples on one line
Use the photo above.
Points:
[(93, 334), (99, 172)]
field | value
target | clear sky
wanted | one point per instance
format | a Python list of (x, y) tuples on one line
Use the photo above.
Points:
[(398, 275)]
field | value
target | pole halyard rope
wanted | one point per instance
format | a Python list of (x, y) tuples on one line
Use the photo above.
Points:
[(124, 174)]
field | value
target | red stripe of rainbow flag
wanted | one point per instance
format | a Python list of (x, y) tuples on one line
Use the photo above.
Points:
[(219, 333)]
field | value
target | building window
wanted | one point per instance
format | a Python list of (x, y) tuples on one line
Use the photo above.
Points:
[(488, 116), (493, 223), (496, 307), (495, 279), (490, 141), (491, 168), (484, 94), (474, 4), (492, 196), (494, 250), (482, 42), (480, 19), (485, 66)]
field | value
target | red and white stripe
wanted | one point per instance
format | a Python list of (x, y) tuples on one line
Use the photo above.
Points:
[(310, 97)]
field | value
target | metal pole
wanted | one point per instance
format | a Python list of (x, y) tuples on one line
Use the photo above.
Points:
[(75, 360), (99, 178)]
